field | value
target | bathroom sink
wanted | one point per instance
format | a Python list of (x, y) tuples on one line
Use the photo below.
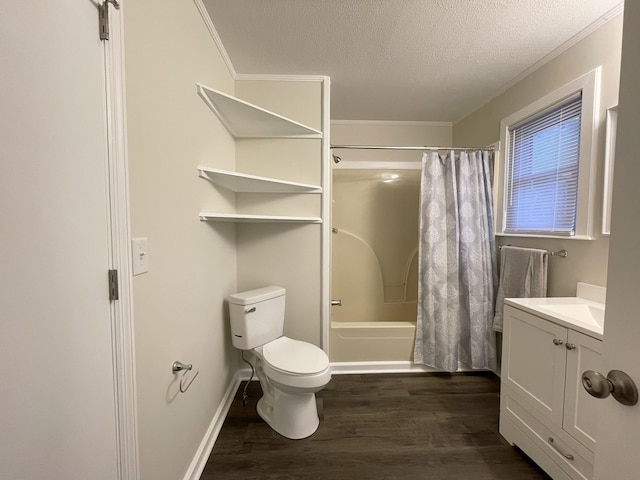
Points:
[(580, 313), (583, 313)]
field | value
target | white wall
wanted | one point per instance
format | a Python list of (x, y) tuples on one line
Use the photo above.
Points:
[(57, 406), (587, 261), (179, 312), (277, 254)]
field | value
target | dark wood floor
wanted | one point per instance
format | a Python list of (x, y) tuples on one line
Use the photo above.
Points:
[(392, 426)]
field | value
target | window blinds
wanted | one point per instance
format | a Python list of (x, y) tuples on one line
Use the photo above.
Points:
[(542, 186)]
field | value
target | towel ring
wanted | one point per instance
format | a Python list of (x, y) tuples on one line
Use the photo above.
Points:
[(184, 368)]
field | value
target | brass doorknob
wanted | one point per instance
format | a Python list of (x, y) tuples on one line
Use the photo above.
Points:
[(616, 383)]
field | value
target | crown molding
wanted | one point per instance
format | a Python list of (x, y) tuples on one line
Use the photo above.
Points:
[(216, 38), (581, 35)]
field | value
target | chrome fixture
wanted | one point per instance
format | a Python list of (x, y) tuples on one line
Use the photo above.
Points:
[(404, 147), (559, 253), (184, 368), (179, 366), (336, 158)]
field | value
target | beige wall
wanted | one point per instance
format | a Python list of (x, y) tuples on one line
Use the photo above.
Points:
[(388, 133), (178, 306), (279, 254), (587, 261)]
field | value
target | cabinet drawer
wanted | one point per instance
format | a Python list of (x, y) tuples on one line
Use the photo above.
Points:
[(553, 442)]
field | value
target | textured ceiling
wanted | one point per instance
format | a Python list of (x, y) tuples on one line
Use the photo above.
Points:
[(430, 60)]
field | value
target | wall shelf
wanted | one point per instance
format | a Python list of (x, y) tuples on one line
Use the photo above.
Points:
[(245, 120), (241, 218), (244, 183)]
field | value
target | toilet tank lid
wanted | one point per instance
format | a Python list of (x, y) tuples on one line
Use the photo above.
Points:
[(256, 296)]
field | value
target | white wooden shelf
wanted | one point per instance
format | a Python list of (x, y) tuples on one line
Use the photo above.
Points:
[(244, 183), (245, 120), (241, 218)]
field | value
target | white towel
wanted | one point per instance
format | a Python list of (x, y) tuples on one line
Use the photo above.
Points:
[(523, 274)]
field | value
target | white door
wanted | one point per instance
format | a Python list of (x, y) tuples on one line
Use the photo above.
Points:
[(619, 426), (57, 402)]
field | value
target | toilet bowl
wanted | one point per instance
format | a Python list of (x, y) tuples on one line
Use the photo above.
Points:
[(290, 371)]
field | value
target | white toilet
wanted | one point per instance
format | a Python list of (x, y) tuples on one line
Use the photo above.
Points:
[(290, 371)]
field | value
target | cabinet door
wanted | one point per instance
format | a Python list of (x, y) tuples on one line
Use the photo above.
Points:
[(534, 360), (580, 408)]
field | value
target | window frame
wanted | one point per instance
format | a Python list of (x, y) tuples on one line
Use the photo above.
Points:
[(589, 86)]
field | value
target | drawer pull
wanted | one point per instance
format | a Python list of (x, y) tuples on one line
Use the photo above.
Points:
[(557, 341), (568, 456)]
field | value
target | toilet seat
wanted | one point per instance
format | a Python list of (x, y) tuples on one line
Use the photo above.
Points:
[(295, 364), (294, 357)]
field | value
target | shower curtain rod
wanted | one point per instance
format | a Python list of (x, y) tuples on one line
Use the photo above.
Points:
[(389, 147)]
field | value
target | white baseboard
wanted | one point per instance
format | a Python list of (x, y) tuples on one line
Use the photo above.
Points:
[(344, 368), (204, 450)]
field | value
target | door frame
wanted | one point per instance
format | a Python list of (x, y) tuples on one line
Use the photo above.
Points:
[(122, 332)]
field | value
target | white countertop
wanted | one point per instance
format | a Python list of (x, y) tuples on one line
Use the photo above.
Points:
[(583, 324)]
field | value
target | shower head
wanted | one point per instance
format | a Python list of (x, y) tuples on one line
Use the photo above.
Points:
[(336, 158)]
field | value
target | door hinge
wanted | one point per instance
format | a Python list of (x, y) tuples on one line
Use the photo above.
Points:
[(103, 13), (113, 285)]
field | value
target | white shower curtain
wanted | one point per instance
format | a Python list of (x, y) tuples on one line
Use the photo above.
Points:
[(457, 274)]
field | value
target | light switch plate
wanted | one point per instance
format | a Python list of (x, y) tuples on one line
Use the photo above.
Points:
[(139, 255)]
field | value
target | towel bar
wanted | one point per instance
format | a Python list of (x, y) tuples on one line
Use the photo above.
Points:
[(559, 253)]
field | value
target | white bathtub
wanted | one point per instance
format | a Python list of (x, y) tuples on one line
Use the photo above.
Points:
[(371, 341)]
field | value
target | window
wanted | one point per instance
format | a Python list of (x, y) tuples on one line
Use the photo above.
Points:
[(545, 187)]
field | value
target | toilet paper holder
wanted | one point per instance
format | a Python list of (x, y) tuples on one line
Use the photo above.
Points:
[(184, 368)]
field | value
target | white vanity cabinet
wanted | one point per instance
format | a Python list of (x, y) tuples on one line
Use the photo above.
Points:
[(544, 409)]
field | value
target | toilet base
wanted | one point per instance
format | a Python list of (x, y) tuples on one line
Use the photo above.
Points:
[(293, 416)]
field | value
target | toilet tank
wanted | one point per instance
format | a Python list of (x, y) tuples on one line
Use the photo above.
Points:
[(257, 316)]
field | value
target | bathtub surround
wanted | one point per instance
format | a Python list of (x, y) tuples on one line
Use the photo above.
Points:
[(374, 249), (457, 273), (374, 264)]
